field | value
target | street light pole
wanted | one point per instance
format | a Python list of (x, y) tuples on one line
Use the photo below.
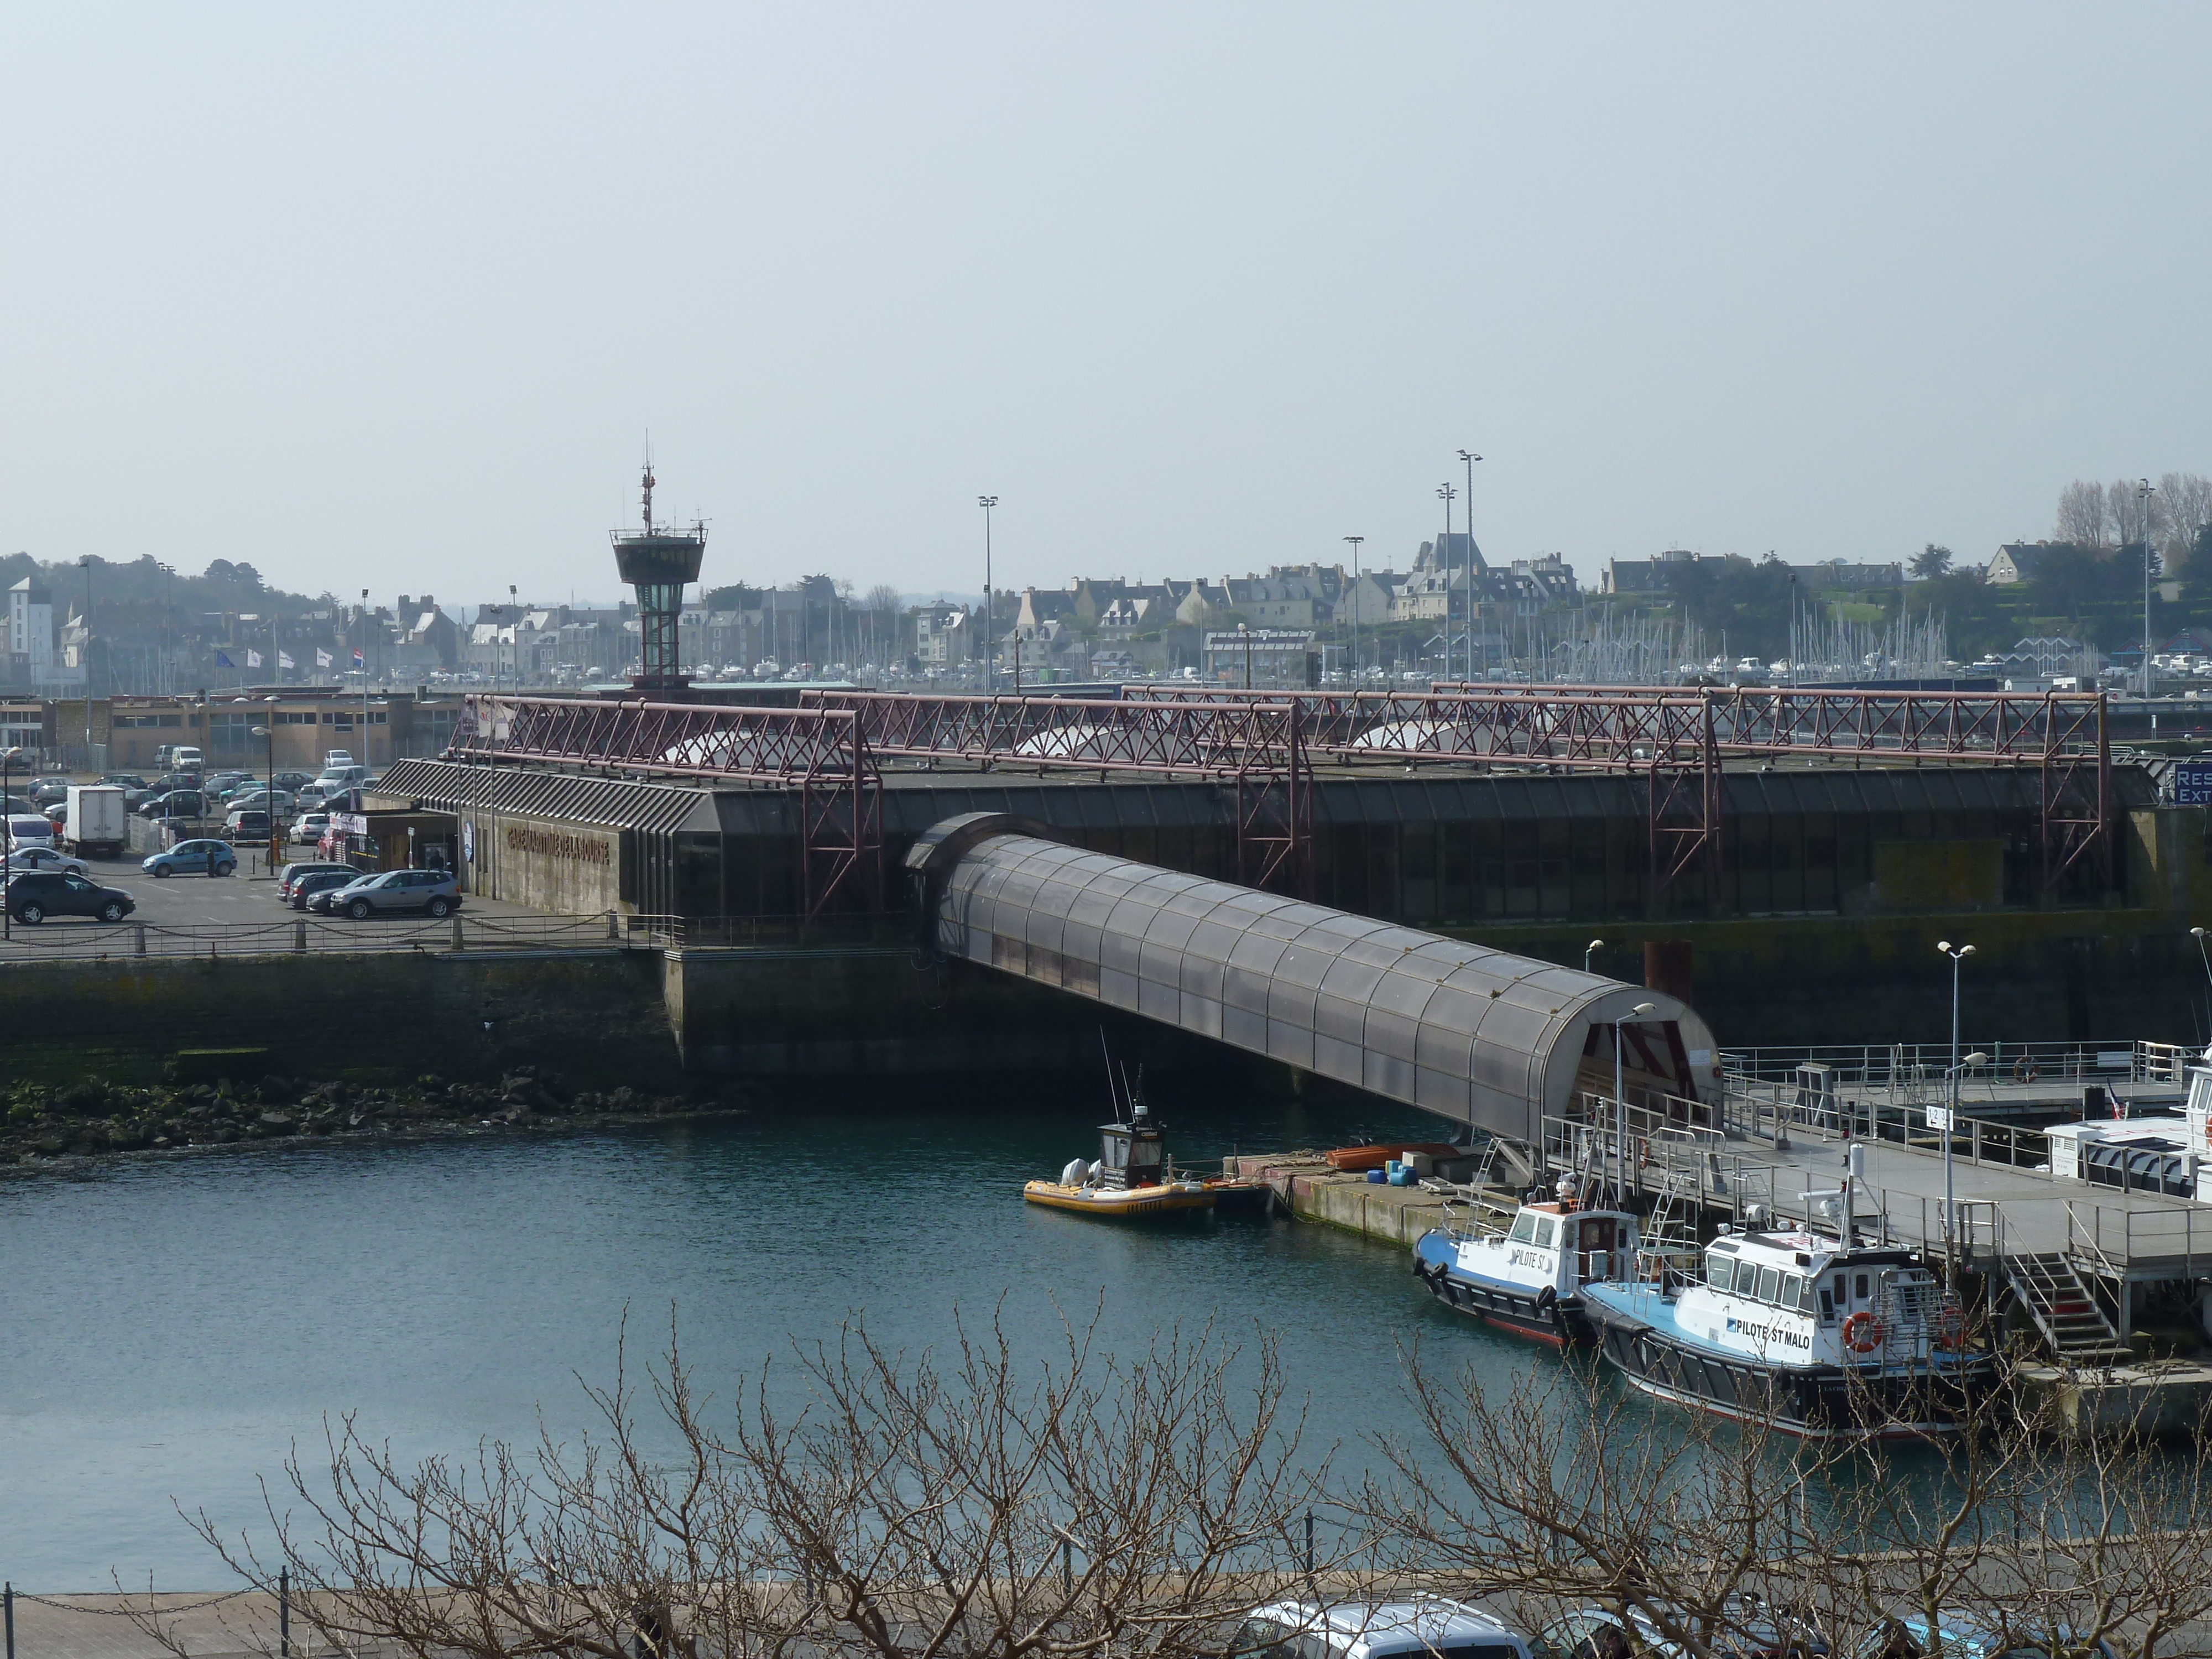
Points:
[(1355, 541), (1590, 950), (2144, 493), (6, 839), (1950, 1221), (1445, 492), (1470, 458), (87, 563), (276, 847), (1620, 1111), (169, 625), (990, 627)]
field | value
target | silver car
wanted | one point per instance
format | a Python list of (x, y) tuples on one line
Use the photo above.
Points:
[(433, 892), (45, 858)]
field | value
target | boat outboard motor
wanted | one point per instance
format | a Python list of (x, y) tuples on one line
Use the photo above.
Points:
[(1073, 1173)]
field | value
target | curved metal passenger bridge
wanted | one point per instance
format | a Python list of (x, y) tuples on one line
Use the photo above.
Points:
[(1477, 1036)]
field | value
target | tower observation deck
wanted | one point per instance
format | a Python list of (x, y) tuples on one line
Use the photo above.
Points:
[(658, 563)]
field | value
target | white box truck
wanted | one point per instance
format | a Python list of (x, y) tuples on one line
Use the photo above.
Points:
[(95, 826)]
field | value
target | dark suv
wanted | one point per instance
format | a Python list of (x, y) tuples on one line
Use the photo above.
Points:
[(34, 895)]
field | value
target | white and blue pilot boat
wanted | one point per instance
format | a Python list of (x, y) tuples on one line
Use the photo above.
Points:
[(1531, 1279), (1800, 1331)]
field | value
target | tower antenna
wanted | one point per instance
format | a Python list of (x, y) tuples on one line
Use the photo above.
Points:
[(648, 482)]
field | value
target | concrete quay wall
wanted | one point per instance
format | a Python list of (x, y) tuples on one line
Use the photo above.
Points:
[(601, 1017), (597, 1016)]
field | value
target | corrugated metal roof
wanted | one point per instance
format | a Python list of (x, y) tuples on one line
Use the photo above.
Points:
[(558, 796), (1472, 1034)]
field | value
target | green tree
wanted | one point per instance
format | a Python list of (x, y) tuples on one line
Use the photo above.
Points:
[(1929, 563)]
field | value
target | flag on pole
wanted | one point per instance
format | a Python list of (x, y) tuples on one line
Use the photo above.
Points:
[(322, 658), (284, 659), (223, 660), (253, 659), (356, 657)]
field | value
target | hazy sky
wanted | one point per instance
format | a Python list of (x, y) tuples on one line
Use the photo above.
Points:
[(388, 296)]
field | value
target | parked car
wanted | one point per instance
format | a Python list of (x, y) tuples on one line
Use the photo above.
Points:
[(1755, 1632), (47, 791), (30, 829), (177, 804), (185, 758), (247, 823), (37, 894), (292, 872), (193, 858), (321, 878), (308, 828), (221, 785), (293, 781), (1418, 1627), (432, 891), (135, 788), (169, 780), (44, 857), (259, 797), (1971, 1636)]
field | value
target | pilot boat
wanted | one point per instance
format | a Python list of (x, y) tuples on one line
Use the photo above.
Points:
[(1816, 1336), (1530, 1278), (1132, 1177)]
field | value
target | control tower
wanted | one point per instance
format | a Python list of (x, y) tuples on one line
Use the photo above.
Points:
[(658, 563)]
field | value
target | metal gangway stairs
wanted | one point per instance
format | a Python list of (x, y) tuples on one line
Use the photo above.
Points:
[(2064, 1307)]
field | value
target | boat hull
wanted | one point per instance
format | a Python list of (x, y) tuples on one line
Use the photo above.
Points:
[(1536, 1312), (1821, 1402), (1238, 1196), (1135, 1203)]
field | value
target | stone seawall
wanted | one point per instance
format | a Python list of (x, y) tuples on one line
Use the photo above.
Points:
[(598, 1017)]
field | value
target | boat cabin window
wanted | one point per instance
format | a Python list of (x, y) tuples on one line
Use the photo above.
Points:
[(1547, 1232), (1862, 1287), (1828, 1306), (1524, 1228), (1720, 1273), (1770, 1285)]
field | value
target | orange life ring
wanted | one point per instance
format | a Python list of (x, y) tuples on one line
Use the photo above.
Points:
[(1862, 1333), (1950, 1328)]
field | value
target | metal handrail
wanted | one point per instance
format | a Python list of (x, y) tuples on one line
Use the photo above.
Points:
[(1870, 1065)]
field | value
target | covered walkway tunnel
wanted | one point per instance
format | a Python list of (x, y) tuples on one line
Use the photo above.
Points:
[(1476, 1036)]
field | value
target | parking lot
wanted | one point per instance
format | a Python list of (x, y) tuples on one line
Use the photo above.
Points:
[(242, 910)]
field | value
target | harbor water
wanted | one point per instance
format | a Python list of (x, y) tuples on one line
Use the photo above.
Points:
[(174, 1328)]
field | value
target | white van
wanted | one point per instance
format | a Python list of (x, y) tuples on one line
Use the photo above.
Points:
[(25, 829), (336, 758), (185, 758)]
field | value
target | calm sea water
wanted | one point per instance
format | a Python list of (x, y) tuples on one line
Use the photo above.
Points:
[(171, 1329)]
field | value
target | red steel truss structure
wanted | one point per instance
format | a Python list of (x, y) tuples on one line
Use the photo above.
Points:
[(1264, 745), (820, 755), (1681, 738), (1256, 746)]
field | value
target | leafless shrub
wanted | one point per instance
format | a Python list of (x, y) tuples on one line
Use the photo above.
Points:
[(878, 1505)]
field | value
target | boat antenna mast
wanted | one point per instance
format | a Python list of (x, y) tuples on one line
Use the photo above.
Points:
[(1113, 1097)]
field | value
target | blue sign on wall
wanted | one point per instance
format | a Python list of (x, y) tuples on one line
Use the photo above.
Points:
[(2192, 783)]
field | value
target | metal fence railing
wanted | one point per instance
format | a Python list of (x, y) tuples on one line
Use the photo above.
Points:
[(1911, 1071), (463, 930), (314, 935)]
